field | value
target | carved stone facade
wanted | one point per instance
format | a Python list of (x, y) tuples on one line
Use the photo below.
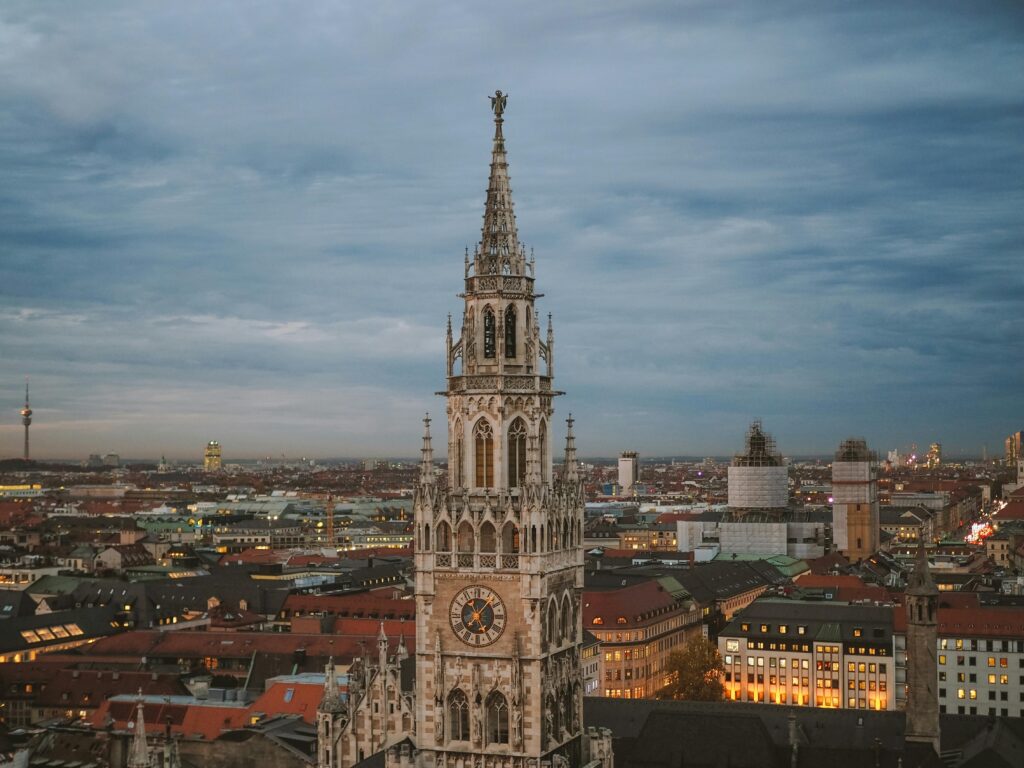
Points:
[(498, 555), (378, 713)]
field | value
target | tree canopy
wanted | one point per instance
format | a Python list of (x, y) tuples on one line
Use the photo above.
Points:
[(696, 672)]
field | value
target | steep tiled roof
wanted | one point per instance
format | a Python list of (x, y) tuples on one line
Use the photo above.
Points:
[(629, 606)]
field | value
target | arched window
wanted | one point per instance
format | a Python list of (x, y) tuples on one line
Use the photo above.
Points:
[(465, 537), (489, 341), (568, 623), (488, 537), (517, 453), (459, 457), (497, 719), (444, 537), (552, 623), (484, 443), (509, 538), (458, 716), (426, 536), (543, 444), (510, 331)]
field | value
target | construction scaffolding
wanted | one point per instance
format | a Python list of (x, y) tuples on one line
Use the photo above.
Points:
[(759, 449), (855, 449)]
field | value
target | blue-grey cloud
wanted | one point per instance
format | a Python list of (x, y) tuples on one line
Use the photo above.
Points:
[(245, 221)]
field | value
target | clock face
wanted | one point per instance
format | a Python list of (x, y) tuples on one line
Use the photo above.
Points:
[(477, 616)]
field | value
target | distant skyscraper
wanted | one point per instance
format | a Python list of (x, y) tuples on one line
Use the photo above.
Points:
[(758, 477), (211, 457), (26, 418), (934, 457), (855, 527), (629, 470)]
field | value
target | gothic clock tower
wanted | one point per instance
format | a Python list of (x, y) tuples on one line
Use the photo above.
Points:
[(499, 562)]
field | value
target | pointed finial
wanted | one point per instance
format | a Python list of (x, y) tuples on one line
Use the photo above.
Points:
[(569, 471), (427, 454)]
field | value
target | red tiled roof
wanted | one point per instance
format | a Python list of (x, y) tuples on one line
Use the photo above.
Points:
[(629, 606), (234, 645), (303, 700), (88, 687), (359, 604), (1014, 510), (972, 622), (206, 721)]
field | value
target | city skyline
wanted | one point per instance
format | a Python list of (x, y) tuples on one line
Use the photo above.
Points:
[(258, 245)]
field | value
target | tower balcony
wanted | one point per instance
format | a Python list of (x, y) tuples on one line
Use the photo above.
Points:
[(477, 561), (507, 286), (504, 383)]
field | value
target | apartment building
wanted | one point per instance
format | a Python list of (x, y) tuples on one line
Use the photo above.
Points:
[(638, 627), (819, 654), (980, 658)]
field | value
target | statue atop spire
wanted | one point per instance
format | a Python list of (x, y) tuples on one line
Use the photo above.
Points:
[(499, 251), (498, 102)]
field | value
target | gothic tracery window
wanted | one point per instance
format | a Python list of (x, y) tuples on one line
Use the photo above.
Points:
[(497, 719), (510, 331), (489, 342), (484, 454), (458, 716), (517, 453), (459, 458), (543, 444)]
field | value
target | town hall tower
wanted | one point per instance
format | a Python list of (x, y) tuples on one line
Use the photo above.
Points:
[(498, 555)]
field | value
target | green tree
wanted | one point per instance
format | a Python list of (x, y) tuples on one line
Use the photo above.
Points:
[(696, 673)]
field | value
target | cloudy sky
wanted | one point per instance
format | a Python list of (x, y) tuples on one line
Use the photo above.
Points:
[(245, 221)]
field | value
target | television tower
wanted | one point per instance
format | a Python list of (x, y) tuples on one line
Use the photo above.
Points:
[(26, 417)]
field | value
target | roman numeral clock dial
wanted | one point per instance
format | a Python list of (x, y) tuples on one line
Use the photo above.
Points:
[(477, 616)]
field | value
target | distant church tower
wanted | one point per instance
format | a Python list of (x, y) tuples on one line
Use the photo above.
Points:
[(499, 562), (855, 524), (922, 603), (26, 418)]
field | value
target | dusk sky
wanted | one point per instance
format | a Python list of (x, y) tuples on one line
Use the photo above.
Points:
[(245, 221)]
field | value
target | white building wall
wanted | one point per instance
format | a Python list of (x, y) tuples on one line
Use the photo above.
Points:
[(753, 538), (759, 487), (629, 472), (689, 534), (851, 482)]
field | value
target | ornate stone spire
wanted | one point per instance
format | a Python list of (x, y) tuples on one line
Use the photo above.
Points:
[(569, 471), (921, 581), (331, 701), (427, 456), (382, 649), (499, 249), (138, 756), (402, 653)]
